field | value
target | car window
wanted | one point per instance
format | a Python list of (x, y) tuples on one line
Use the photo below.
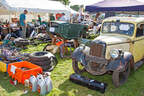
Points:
[(118, 27), (140, 30)]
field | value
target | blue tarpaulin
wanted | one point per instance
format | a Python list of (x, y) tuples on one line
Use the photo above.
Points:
[(116, 5)]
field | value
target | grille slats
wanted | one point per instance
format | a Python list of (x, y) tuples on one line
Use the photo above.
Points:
[(97, 50)]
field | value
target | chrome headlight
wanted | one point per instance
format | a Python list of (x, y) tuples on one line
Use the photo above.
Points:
[(114, 53)]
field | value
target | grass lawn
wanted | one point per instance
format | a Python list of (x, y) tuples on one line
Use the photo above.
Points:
[(63, 87)]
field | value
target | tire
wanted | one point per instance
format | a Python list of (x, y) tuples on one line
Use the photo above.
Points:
[(76, 67), (40, 55), (119, 78), (44, 59), (39, 59), (47, 65)]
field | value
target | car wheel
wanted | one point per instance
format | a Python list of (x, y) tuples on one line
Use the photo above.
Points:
[(119, 78), (78, 67)]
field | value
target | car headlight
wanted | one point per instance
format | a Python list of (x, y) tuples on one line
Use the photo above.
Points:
[(114, 53)]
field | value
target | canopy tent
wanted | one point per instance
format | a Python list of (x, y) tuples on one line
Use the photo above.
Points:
[(38, 6), (116, 5)]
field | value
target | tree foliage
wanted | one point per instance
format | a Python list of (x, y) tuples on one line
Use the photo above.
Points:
[(75, 7), (65, 2)]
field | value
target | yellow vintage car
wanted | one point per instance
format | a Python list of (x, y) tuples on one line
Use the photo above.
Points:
[(118, 49)]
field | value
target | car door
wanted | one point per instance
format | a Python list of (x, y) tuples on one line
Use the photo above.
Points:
[(138, 44)]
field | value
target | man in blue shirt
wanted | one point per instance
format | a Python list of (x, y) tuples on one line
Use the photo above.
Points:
[(23, 23)]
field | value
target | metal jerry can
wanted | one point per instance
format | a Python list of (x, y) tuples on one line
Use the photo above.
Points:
[(33, 83), (48, 83), (41, 86)]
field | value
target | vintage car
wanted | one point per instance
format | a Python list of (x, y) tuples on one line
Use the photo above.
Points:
[(118, 49)]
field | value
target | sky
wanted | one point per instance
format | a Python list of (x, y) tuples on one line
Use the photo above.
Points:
[(87, 2)]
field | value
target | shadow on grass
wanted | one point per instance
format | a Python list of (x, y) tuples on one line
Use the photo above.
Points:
[(9, 88), (5, 84)]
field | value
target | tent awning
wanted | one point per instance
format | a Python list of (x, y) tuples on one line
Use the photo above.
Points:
[(116, 5), (43, 6)]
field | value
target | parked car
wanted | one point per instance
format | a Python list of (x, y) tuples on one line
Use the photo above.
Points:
[(117, 50)]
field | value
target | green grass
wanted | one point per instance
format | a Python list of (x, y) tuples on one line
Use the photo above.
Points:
[(64, 87)]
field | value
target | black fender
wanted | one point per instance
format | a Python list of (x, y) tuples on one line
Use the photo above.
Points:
[(120, 63)]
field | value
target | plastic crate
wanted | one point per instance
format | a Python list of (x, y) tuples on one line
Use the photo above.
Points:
[(16, 72), (3, 66)]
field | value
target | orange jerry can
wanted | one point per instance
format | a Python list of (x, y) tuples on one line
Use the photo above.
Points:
[(21, 71)]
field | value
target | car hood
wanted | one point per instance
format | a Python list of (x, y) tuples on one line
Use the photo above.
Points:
[(113, 39)]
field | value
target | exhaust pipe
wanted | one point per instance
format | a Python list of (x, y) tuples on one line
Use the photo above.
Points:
[(91, 84)]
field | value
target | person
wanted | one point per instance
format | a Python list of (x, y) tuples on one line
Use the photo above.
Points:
[(140, 31), (52, 18), (23, 23), (63, 18), (71, 18), (39, 19), (58, 16)]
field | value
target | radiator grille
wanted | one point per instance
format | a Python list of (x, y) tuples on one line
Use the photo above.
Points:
[(97, 50)]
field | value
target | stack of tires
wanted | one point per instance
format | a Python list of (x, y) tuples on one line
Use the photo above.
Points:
[(44, 59)]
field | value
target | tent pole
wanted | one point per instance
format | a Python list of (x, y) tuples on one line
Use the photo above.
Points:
[(9, 17), (9, 22), (138, 13)]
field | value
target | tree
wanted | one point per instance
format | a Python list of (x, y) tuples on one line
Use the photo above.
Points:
[(75, 7), (65, 2)]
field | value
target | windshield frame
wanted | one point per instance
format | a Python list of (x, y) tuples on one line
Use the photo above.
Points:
[(115, 32)]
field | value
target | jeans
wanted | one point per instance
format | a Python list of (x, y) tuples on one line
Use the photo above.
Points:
[(23, 32)]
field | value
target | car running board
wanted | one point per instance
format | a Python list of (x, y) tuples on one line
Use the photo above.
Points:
[(138, 64)]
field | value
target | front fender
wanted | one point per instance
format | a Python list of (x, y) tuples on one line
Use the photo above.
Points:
[(120, 63), (78, 55)]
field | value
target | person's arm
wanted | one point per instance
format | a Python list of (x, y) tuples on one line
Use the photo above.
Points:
[(24, 20)]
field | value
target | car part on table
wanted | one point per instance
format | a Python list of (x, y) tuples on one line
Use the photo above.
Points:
[(21, 42), (90, 83), (44, 59)]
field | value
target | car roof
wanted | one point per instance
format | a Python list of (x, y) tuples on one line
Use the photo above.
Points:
[(125, 19)]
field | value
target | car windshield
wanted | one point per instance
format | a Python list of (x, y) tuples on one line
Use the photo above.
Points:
[(118, 27)]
